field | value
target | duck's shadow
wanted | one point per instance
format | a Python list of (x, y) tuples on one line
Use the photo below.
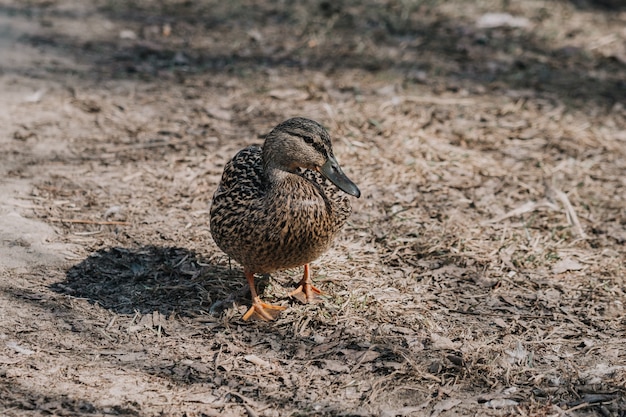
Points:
[(151, 278)]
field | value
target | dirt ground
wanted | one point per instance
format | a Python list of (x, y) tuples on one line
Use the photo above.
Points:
[(481, 273)]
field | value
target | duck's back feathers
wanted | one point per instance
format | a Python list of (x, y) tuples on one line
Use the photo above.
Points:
[(243, 176)]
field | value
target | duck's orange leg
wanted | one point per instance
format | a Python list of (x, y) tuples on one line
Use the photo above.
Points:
[(260, 309), (306, 292)]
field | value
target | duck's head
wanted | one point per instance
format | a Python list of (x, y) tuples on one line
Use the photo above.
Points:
[(304, 143)]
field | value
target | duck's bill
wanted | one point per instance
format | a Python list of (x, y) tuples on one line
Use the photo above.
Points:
[(333, 172)]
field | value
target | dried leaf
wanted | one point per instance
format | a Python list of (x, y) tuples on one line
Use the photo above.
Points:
[(257, 361), (19, 349), (517, 355), (369, 356), (445, 405), (443, 343), (218, 113), (335, 366), (501, 403), (495, 20), (565, 265), (289, 94)]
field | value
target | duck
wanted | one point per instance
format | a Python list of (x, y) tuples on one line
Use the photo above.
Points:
[(280, 205)]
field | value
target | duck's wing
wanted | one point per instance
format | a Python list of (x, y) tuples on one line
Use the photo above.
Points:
[(243, 176)]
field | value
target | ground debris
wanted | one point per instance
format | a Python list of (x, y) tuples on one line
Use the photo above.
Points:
[(481, 272)]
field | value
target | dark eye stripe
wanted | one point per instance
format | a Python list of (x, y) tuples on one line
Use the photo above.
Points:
[(316, 145)]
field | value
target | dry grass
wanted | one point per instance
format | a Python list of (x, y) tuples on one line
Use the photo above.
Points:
[(481, 273)]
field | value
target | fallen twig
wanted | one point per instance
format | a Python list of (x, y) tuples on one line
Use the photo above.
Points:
[(441, 101), (83, 221), (569, 211), (523, 209)]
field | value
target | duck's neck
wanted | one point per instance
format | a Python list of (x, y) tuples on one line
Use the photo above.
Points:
[(288, 183), (279, 177)]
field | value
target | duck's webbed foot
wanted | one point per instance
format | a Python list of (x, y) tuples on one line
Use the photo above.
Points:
[(306, 292), (264, 311), (259, 309)]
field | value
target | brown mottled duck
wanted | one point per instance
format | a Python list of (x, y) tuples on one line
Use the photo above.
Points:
[(279, 206)]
